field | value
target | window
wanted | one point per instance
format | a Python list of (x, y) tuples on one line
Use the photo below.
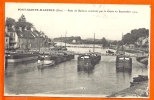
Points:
[(12, 34), (6, 40)]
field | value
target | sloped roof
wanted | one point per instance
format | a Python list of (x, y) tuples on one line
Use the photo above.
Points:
[(147, 39), (38, 34), (141, 38), (10, 29), (19, 34), (25, 34), (35, 34), (6, 35)]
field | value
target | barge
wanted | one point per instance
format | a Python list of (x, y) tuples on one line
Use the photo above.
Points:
[(20, 57), (45, 61), (123, 62), (88, 61), (53, 59)]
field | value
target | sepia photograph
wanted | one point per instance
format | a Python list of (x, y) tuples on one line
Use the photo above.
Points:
[(77, 50)]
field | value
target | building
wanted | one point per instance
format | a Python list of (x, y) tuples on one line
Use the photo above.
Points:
[(7, 41), (145, 41), (26, 39), (24, 36), (142, 41), (139, 41), (131, 46), (13, 38), (35, 33), (74, 41), (40, 38)]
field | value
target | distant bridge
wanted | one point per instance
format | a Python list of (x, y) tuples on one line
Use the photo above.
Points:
[(82, 47)]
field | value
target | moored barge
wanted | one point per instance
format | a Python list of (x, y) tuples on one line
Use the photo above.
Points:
[(123, 62), (20, 57), (88, 61), (53, 59), (45, 61)]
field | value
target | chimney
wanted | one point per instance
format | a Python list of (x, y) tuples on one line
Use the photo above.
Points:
[(6, 29), (20, 28)]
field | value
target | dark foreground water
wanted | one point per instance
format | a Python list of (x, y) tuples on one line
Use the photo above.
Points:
[(64, 79)]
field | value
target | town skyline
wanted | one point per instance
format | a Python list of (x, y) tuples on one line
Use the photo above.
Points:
[(84, 24)]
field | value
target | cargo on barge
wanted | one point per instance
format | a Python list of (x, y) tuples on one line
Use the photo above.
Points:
[(53, 59)]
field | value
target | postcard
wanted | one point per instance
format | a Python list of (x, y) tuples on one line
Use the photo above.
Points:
[(77, 50)]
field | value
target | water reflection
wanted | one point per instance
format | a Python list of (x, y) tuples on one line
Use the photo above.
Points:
[(124, 70), (88, 72), (19, 68), (104, 79), (123, 75)]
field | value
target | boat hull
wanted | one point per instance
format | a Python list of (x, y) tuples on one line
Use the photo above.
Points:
[(87, 62), (123, 62)]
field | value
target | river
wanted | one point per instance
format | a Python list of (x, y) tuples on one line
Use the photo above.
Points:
[(65, 80)]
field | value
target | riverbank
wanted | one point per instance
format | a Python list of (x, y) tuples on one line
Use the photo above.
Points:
[(139, 90)]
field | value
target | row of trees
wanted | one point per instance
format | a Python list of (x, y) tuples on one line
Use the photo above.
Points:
[(102, 41), (134, 35), (129, 38), (20, 23)]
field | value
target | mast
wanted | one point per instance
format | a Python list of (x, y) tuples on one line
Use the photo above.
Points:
[(122, 41), (61, 41), (65, 38), (122, 45), (94, 44), (40, 39)]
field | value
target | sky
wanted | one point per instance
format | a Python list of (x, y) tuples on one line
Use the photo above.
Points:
[(105, 20)]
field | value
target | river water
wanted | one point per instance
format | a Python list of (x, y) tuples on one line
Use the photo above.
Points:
[(65, 80)]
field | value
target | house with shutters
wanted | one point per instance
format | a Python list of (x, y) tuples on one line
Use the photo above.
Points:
[(30, 38), (13, 38), (38, 43), (25, 38), (23, 35)]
